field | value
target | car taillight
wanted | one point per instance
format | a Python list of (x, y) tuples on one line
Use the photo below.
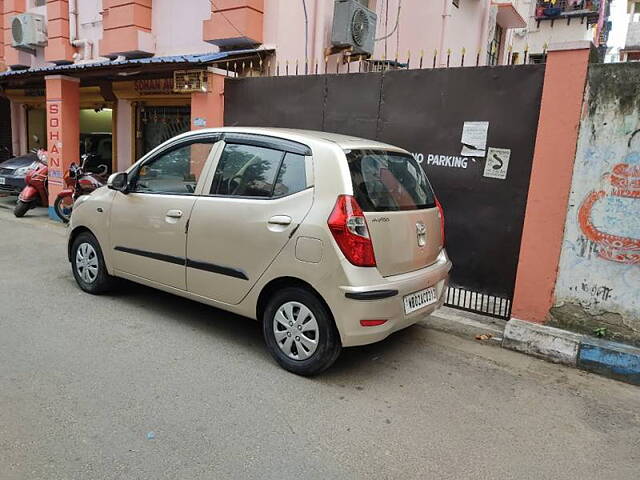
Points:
[(372, 323), (350, 231), (441, 215)]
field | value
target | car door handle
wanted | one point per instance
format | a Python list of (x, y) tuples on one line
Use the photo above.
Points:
[(280, 220), (174, 214)]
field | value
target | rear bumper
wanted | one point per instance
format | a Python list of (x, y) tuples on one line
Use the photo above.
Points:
[(386, 302), (12, 185)]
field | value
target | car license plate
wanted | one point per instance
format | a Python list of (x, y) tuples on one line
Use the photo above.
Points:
[(2, 180), (418, 300)]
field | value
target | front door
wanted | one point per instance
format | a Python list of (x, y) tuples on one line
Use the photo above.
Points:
[(148, 224), (257, 197)]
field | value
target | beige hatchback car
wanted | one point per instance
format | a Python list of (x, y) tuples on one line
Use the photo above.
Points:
[(330, 241)]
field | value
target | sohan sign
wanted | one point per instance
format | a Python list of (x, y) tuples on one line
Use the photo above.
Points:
[(54, 141)]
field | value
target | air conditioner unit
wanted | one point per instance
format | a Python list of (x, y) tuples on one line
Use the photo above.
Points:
[(28, 31), (353, 26)]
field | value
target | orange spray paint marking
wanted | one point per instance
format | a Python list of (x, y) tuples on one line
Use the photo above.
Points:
[(625, 180)]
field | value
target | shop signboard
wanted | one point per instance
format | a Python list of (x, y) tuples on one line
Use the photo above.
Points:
[(154, 86)]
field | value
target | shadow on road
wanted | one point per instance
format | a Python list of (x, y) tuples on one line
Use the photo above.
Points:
[(246, 333)]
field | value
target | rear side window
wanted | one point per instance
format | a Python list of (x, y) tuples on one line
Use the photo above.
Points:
[(246, 171), (386, 181), (252, 171), (292, 177)]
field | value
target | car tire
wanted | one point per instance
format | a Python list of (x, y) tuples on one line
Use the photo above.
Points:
[(21, 208), (87, 264), (300, 332)]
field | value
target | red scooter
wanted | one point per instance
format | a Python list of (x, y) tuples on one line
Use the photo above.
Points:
[(78, 181), (36, 193)]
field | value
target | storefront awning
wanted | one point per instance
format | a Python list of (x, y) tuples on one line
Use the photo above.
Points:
[(181, 60), (508, 16)]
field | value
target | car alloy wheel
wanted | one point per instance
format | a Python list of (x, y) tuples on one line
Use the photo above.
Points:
[(296, 330), (87, 262)]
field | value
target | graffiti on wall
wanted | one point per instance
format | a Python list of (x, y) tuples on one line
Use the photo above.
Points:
[(600, 261), (623, 182)]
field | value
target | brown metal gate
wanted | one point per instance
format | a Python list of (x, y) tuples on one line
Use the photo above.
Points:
[(425, 112)]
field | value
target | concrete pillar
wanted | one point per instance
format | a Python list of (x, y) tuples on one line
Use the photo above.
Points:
[(18, 128), (127, 28), (59, 48), (207, 108), (234, 23), (63, 130), (207, 111), (12, 56), (3, 65), (124, 127), (550, 185)]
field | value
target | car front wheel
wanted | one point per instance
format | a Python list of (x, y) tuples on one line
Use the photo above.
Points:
[(299, 332), (88, 265)]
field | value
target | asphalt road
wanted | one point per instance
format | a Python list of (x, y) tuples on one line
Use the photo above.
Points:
[(141, 384)]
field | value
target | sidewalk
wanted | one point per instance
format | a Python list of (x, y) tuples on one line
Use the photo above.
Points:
[(610, 359), (9, 201)]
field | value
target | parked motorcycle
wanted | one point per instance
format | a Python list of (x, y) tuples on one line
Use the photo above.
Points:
[(36, 191), (78, 181)]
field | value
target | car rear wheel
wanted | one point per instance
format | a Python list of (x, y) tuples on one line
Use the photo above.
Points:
[(88, 265), (299, 332), (21, 208)]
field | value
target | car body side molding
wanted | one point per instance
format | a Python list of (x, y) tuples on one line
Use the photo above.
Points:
[(207, 267)]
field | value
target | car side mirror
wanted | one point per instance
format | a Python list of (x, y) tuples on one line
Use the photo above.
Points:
[(119, 181)]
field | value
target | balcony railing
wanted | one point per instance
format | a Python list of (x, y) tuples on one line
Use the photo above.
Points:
[(552, 10)]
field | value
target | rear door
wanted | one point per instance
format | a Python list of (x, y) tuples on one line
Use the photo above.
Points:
[(259, 193), (400, 208)]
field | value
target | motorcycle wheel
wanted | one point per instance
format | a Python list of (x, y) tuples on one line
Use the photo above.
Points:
[(63, 209), (21, 208)]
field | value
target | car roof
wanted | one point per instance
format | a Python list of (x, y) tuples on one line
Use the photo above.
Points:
[(345, 142)]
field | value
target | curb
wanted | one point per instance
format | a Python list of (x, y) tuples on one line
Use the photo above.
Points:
[(465, 324), (610, 359), (553, 344)]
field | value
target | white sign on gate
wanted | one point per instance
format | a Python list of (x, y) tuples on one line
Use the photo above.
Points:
[(497, 163)]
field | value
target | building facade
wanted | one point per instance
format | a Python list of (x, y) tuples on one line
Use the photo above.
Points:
[(118, 77), (631, 50)]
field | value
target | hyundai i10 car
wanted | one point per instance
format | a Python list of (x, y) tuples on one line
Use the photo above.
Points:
[(329, 241)]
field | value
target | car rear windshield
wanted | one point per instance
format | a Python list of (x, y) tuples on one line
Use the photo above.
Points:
[(386, 181)]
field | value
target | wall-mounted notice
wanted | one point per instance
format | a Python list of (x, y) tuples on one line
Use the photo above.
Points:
[(474, 139), (497, 163)]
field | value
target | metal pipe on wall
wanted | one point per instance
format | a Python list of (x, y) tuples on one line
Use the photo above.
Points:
[(83, 43), (319, 37), (484, 41), (446, 13)]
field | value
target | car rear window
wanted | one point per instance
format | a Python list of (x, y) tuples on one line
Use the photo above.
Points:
[(386, 181)]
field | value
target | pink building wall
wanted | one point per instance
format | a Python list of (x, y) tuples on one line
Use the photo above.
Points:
[(424, 25), (420, 28)]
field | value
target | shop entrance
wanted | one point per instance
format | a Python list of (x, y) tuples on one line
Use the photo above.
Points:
[(96, 138), (157, 124), (96, 132), (36, 128)]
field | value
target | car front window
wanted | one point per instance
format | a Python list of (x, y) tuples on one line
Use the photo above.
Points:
[(174, 172)]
